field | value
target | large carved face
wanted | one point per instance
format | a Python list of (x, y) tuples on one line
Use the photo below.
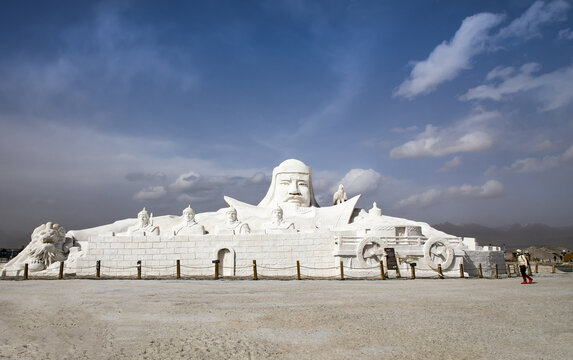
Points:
[(293, 188), (291, 184)]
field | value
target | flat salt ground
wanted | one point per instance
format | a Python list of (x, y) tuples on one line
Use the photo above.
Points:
[(270, 319)]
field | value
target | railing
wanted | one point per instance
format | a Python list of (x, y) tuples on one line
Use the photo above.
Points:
[(392, 240), (296, 271)]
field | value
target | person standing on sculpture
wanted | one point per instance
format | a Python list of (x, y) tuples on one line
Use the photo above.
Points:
[(523, 265)]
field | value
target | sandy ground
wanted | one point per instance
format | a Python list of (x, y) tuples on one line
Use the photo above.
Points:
[(272, 319)]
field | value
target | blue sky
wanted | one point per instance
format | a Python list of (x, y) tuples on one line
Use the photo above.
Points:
[(440, 111)]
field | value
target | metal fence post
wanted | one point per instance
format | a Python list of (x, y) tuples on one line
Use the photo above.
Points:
[(255, 276)]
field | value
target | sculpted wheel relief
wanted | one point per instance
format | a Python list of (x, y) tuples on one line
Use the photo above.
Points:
[(438, 252), (370, 251)]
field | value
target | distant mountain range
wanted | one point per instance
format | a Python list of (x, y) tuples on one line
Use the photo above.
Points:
[(514, 236)]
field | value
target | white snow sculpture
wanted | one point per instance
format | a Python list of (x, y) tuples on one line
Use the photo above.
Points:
[(188, 225), (339, 196), (291, 184), (277, 224), (375, 211), (48, 245), (232, 224), (144, 225), (299, 229)]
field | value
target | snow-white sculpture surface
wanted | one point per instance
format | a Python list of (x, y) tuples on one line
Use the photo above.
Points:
[(277, 224), (144, 225), (291, 184), (286, 226), (291, 189), (232, 224), (188, 225), (48, 245), (339, 196), (375, 211)]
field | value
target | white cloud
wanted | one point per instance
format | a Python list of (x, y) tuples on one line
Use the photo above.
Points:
[(360, 181), (527, 25), (471, 134), (76, 165), (453, 163), (565, 34), (543, 146), (500, 72), (98, 61), (449, 58), (553, 90), (259, 177), (568, 154), (424, 199), (530, 165), (185, 182), (150, 193), (491, 189), (208, 188)]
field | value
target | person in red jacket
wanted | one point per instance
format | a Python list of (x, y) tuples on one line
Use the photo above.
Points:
[(523, 265)]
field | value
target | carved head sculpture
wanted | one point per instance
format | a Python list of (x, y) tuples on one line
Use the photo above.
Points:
[(291, 184), (277, 214), (46, 244), (143, 218), (188, 214), (231, 215)]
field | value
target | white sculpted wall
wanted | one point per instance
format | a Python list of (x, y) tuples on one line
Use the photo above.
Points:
[(287, 225)]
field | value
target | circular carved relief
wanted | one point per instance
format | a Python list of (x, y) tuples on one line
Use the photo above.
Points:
[(370, 251), (438, 252)]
